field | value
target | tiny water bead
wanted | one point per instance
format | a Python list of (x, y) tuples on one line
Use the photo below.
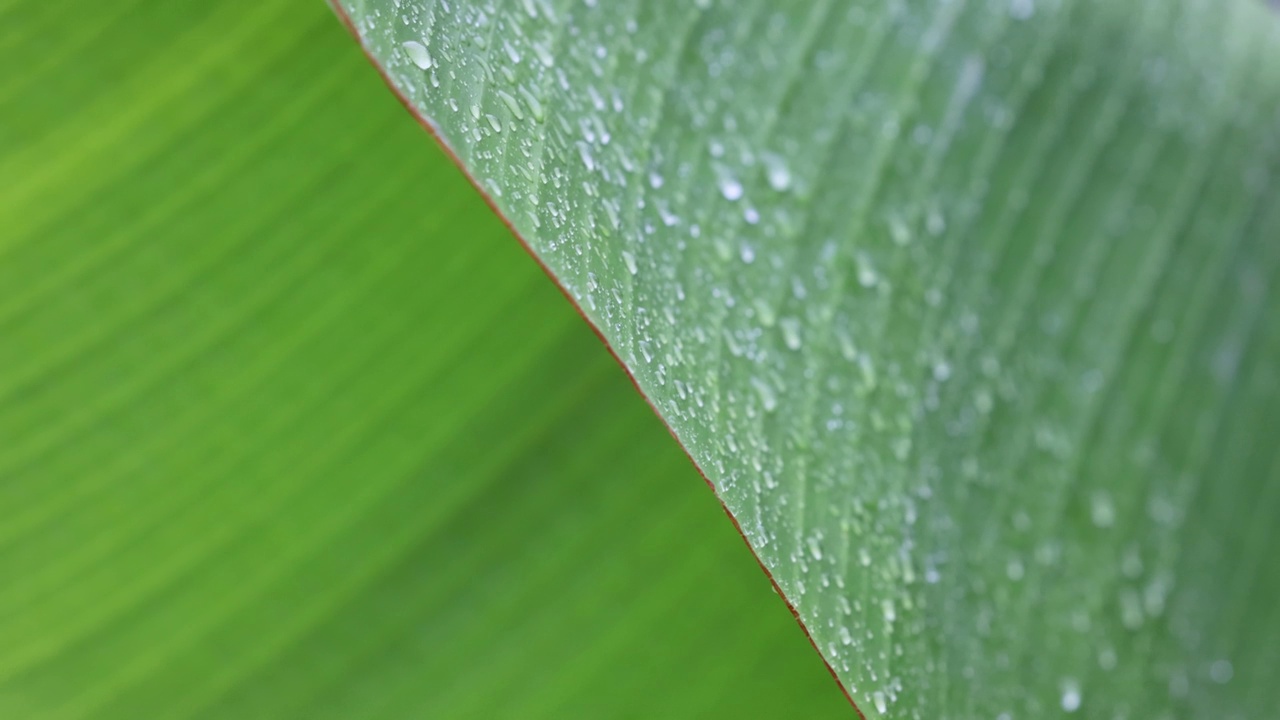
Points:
[(1071, 696), (846, 637), (1101, 510), (768, 398), (815, 549), (935, 223), (588, 160), (1022, 9), (889, 611), (790, 332), (777, 173), (731, 189)]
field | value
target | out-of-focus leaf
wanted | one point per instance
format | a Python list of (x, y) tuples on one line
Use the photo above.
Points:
[(290, 427), (967, 308)]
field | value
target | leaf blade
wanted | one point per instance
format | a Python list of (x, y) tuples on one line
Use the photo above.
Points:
[(667, 130)]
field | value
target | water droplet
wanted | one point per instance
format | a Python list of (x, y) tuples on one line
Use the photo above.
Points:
[(768, 398), (1130, 609), (777, 173), (798, 289), (512, 104), (1070, 695), (890, 613), (1153, 596), (1101, 509), (868, 371), (1131, 562), (1221, 671), (1179, 684), (983, 402), (418, 53), (941, 371), (765, 312), (867, 276), (611, 210), (790, 332), (630, 261), (814, 548), (881, 706), (747, 253), (544, 55), (935, 223), (730, 188), (535, 106), (899, 230), (842, 602), (1022, 9), (585, 153), (848, 350)]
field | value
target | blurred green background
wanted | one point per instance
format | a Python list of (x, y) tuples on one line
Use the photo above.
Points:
[(290, 426)]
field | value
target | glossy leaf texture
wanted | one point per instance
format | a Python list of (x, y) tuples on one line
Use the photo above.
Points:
[(966, 308), (290, 427)]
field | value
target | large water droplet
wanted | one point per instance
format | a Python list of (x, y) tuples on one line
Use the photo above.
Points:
[(535, 106), (418, 54), (512, 104)]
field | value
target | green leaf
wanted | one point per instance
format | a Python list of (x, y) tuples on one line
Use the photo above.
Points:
[(290, 427), (964, 306)]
